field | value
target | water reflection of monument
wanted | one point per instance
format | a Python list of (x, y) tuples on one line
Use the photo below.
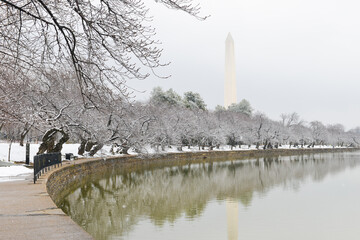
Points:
[(232, 214)]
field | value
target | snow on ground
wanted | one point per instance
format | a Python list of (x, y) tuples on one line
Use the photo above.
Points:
[(13, 172), (17, 154)]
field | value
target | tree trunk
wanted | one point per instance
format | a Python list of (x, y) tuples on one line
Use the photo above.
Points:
[(9, 153), (48, 141), (81, 148), (95, 149), (265, 145), (24, 133), (58, 147), (89, 145), (125, 149), (112, 149)]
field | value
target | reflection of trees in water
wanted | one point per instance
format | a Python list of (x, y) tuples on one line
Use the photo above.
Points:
[(112, 205)]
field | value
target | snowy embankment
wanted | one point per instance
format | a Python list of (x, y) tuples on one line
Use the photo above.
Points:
[(13, 172), (10, 171), (17, 153)]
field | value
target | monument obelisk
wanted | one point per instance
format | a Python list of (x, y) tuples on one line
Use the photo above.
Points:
[(230, 77)]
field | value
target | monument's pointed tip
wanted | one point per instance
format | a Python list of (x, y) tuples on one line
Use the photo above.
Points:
[(229, 37)]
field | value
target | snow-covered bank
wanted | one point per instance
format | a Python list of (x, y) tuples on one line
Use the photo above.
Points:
[(14, 173), (174, 149), (17, 153)]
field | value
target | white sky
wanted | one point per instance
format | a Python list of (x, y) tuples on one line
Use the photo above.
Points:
[(291, 55)]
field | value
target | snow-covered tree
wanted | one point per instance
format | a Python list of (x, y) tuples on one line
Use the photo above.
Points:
[(354, 136), (64, 64), (290, 120), (336, 134), (101, 42), (319, 133), (220, 108), (242, 107), (194, 101), (170, 97)]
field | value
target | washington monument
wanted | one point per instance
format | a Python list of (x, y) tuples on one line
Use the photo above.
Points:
[(230, 78)]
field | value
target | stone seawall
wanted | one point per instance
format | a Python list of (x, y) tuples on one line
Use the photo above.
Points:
[(62, 181)]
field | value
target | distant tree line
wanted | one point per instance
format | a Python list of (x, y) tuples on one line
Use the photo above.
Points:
[(165, 120), (178, 123)]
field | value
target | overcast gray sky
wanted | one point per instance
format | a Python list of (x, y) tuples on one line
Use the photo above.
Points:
[(291, 55)]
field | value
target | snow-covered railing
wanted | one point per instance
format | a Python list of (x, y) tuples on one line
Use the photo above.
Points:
[(43, 163)]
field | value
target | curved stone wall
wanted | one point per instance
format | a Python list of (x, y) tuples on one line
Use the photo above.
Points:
[(62, 181)]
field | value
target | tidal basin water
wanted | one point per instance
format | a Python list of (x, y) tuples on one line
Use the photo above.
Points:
[(298, 197)]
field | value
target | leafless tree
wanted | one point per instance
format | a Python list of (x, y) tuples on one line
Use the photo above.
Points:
[(60, 61), (336, 134), (319, 133), (102, 42), (290, 120)]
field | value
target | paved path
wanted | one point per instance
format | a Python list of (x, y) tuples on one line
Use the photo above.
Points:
[(27, 212)]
